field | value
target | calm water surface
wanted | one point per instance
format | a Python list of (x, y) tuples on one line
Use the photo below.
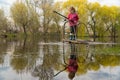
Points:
[(42, 59)]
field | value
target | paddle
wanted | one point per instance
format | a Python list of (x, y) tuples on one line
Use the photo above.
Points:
[(60, 14)]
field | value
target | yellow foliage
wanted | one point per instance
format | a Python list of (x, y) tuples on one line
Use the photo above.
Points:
[(19, 13), (78, 4), (3, 20), (110, 12)]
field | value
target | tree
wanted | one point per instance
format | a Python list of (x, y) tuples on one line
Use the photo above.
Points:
[(93, 9), (55, 24), (19, 12), (34, 23), (109, 17), (48, 20), (44, 6), (3, 21)]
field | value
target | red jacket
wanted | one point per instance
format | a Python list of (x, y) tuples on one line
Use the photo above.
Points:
[(73, 66), (73, 19)]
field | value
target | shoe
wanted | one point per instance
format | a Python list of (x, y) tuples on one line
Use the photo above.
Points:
[(71, 36)]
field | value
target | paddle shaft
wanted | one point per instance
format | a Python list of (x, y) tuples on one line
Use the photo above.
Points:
[(60, 14)]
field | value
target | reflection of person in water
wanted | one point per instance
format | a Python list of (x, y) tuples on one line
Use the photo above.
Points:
[(72, 66)]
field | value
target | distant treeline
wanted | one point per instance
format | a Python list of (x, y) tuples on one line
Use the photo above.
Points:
[(36, 16)]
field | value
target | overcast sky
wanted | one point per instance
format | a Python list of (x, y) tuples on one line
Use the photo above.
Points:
[(4, 3), (107, 2), (103, 2)]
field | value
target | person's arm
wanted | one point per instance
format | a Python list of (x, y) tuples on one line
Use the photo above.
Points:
[(70, 18)]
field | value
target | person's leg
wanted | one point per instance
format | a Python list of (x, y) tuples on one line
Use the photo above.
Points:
[(73, 56), (74, 32), (71, 32)]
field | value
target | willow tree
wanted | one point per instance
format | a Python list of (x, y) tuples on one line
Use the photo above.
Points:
[(34, 22), (44, 10), (118, 20), (49, 22), (109, 16), (94, 18), (3, 21), (19, 12), (55, 24)]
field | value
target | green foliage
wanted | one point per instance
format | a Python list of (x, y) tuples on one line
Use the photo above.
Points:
[(3, 22), (34, 22)]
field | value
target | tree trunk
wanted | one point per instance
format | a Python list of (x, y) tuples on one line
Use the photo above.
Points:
[(24, 29)]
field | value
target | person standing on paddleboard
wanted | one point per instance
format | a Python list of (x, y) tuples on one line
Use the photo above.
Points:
[(73, 21)]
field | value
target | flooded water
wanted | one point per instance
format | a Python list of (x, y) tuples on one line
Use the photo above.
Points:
[(49, 59)]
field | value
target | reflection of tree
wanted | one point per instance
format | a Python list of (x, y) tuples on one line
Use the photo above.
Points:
[(51, 55), (25, 55), (44, 73), (53, 37), (82, 68), (88, 60), (51, 60), (103, 60), (19, 63), (108, 60), (93, 66), (3, 49)]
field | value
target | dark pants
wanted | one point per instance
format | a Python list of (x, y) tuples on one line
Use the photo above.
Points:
[(73, 29), (73, 57)]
